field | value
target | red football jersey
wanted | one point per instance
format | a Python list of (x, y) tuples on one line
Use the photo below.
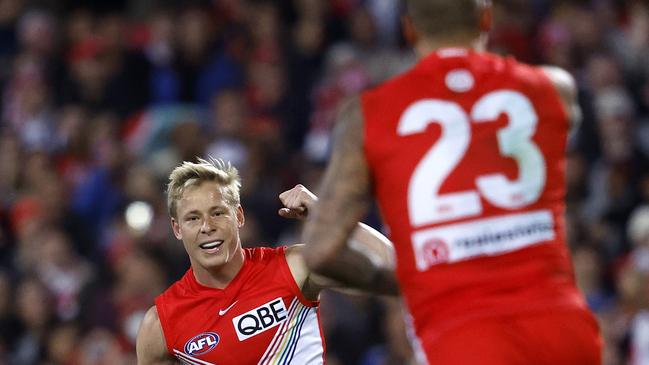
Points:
[(466, 152), (261, 317)]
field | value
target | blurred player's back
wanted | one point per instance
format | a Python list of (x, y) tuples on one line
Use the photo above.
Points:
[(466, 154)]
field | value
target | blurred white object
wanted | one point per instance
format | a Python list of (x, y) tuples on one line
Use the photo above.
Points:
[(640, 339), (131, 325), (139, 216), (638, 226), (613, 102)]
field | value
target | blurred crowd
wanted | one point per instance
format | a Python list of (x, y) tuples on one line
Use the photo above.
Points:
[(99, 100)]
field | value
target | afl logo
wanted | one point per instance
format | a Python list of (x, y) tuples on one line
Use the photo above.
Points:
[(201, 344), (435, 252)]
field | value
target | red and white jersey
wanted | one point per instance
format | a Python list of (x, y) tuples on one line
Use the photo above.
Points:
[(261, 317), (466, 152)]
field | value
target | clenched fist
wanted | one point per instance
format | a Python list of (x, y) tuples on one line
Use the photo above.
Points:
[(297, 202)]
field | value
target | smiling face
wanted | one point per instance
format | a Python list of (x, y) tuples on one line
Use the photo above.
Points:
[(209, 228)]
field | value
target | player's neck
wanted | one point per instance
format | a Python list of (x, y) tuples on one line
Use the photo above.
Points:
[(426, 46), (221, 276)]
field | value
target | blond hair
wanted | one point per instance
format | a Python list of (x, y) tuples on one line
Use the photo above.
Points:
[(193, 174)]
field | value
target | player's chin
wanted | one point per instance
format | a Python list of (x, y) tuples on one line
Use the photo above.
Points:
[(211, 256), (208, 257), (212, 262)]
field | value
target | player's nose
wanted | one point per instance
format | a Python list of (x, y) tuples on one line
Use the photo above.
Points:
[(208, 226)]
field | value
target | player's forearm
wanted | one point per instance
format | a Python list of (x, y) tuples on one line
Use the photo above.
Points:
[(365, 262), (342, 203), (371, 254), (325, 237), (344, 197), (374, 245), (353, 269)]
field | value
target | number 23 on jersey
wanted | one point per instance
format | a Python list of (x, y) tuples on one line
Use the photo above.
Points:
[(425, 204)]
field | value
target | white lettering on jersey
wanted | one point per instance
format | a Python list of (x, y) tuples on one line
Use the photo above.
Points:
[(490, 236), (425, 205), (260, 319), (452, 52)]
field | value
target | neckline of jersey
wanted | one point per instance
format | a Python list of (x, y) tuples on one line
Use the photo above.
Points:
[(445, 53), (454, 51), (196, 286)]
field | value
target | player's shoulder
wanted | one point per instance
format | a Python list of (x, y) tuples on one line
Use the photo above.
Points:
[(561, 79), (150, 345), (394, 82), (151, 319), (534, 76), (150, 327), (294, 257), (263, 254), (179, 289)]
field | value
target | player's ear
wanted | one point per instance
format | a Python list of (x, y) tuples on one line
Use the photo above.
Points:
[(486, 16), (409, 31), (176, 228), (240, 216)]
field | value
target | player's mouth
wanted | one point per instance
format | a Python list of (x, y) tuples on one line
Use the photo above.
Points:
[(212, 246)]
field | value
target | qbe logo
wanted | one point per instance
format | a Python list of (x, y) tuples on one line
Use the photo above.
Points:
[(201, 344), (260, 319)]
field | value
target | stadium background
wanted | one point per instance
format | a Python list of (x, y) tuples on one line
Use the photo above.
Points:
[(101, 99)]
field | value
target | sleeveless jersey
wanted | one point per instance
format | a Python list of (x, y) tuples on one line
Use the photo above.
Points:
[(261, 317), (466, 153)]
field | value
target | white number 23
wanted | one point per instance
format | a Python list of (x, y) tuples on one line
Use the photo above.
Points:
[(425, 204)]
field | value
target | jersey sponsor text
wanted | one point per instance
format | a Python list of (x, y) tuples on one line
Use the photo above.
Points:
[(260, 319), (480, 237)]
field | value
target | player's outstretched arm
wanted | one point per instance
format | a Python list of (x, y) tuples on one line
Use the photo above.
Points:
[(567, 89), (150, 344), (343, 201), (368, 252)]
